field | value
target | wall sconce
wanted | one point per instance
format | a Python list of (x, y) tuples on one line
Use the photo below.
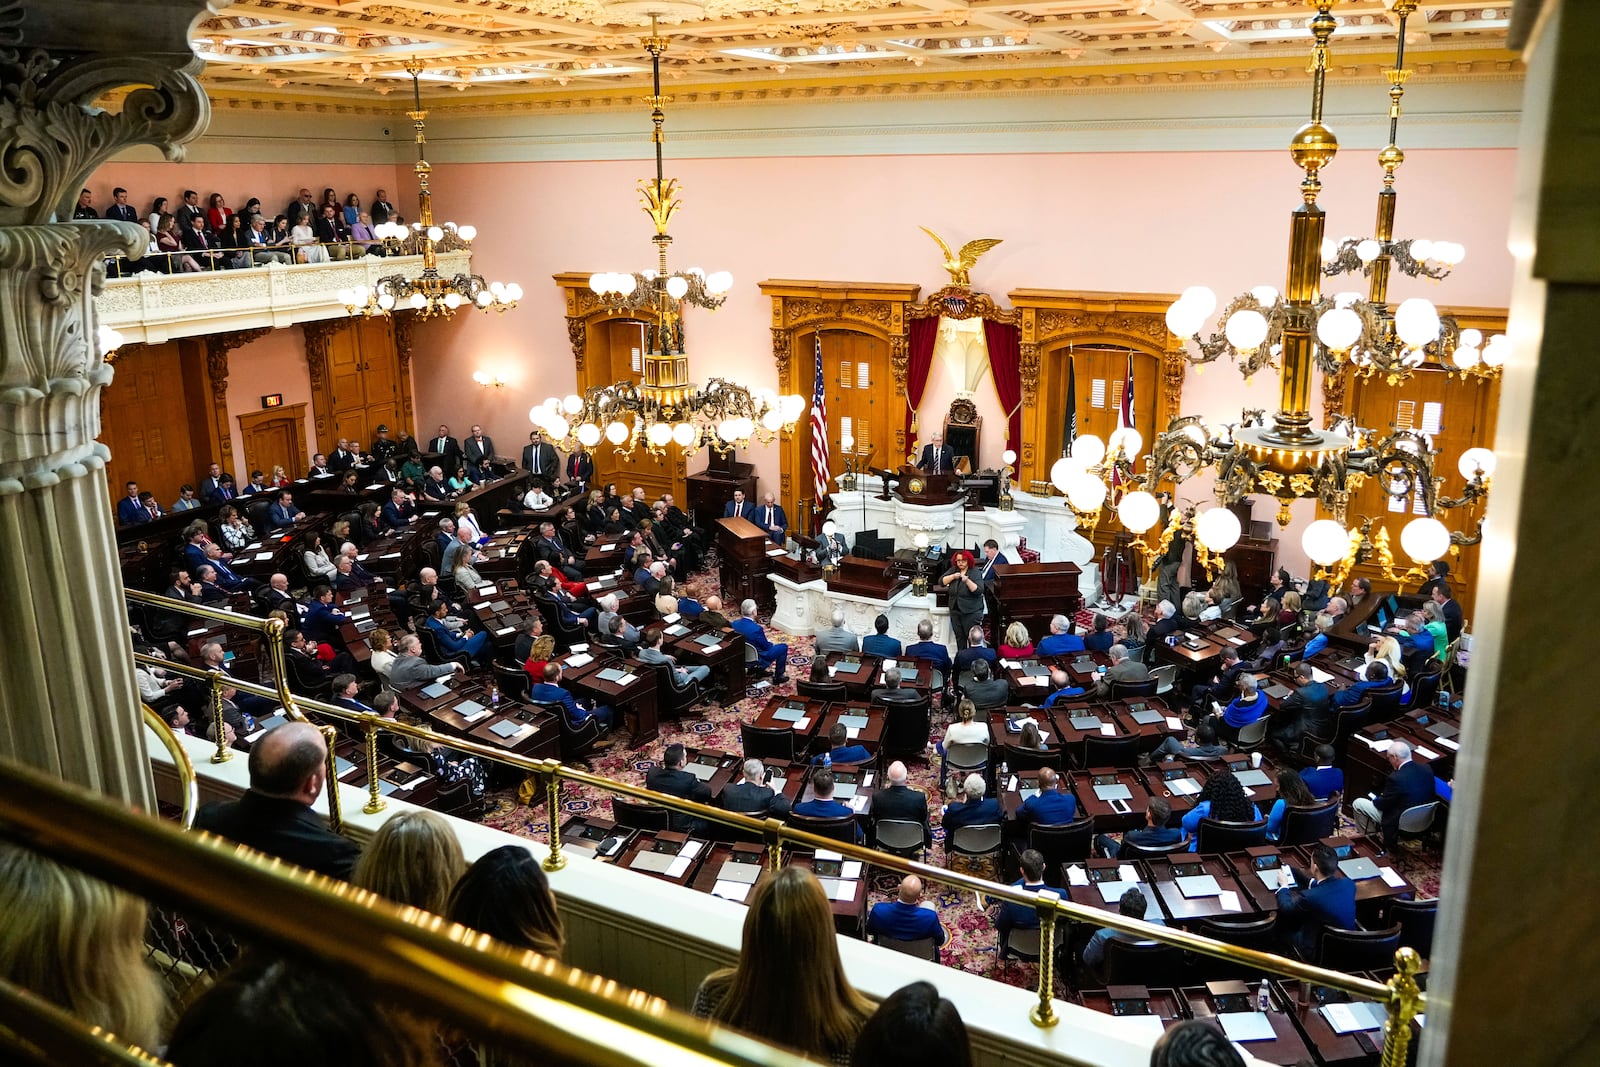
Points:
[(487, 380)]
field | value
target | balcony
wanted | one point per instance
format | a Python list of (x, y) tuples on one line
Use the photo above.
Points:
[(152, 308)]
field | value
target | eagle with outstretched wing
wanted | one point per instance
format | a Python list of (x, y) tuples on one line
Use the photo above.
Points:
[(960, 263)]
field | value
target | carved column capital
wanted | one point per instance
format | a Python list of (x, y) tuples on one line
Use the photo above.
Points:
[(899, 360), (404, 339), (578, 335), (1028, 357), (781, 354)]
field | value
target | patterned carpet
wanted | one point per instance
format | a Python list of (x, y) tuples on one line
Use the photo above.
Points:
[(972, 944)]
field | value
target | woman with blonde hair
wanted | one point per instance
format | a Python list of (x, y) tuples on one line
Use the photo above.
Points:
[(1017, 644), (789, 986), (414, 859), (383, 653), (78, 943), (1387, 649)]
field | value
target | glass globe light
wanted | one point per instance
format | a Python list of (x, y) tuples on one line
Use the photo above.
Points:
[(847, 443), (1218, 529), (719, 282), (1088, 450), (418, 301), (452, 300), (1325, 542), (677, 286), (1466, 357), (385, 301), (1425, 539), (659, 434), (1450, 256), (498, 289), (1475, 462), (466, 233), (1368, 250), (1422, 249), (1265, 295), (1202, 298), (683, 435), (616, 432), (1496, 351), (725, 430), (1471, 338), (793, 407), (513, 292), (1417, 322), (435, 234), (558, 426), (625, 283), (1061, 472), (1184, 318), (772, 420), (1339, 329), (921, 540), (1008, 457), (484, 298), (481, 377), (1246, 329), (347, 297), (1345, 299), (1127, 440), (1195, 433), (588, 435), (1086, 492), (1330, 249), (536, 415), (1139, 511)]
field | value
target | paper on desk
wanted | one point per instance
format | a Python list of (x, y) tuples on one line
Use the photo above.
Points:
[(390, 555), (361, 556), (858, 804), (527, 728), (1106, 728), (1391, 877), (851, 869), (504, 630), (712, 648), (1235, 640), (825, 854), (627, 679), (1376, 746), (775, 552), (606, 548), (1147, 1027), (1126, 873), (1320, 675), (690, 849), (731, 890), (579, 659), (866, 781), (1450, 743), (1077, 875), (1426, 753), (852, 732), (677, 867), (1229, 900), (838, 889), (670, 618), (1349, 1018), (1246, 1026), (1012, 787), (259, 556), (1009, 664), (592, 586), (1174, 723), (802, 723)]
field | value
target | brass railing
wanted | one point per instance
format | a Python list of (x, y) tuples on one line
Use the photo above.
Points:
[(42, 1033), (183, 766), (1400, 996), (216, 257), (436, 968)]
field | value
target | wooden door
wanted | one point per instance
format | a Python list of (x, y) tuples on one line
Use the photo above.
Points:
[(357, 382), (1457, 415), (862, 403), (380, 375), (143, 423), (275, 437), (1100, 372)]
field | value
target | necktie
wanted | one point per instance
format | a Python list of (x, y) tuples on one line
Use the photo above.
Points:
[(936, 458), (536, 461), (769, 516)]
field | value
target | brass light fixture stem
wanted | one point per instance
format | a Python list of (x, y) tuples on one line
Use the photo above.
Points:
[(418, 119), (1390, 159)]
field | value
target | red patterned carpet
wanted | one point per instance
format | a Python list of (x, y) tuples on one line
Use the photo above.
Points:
[(972, 945)]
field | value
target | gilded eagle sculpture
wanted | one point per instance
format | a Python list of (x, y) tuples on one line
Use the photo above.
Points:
[(960, 263)]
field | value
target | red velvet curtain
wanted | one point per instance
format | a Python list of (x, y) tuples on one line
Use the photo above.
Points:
[(1005, 363), (919, 361)]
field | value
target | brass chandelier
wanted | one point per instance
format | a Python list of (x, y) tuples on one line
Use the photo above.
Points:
[(664, 408), (430, 293), (1287, 458)]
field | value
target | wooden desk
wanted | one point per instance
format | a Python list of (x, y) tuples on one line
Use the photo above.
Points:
[(1249, 866), (541, 742), (1150, 734), (875, 579), (851, 787), (1159, 777), (1130, 1002), (583, 835), (1360, 1049), (805, 727), (849, 914), (742, 547), (633, 701), (422, 706), (1101, 871), (1034, 593), (1371, 893), (1000, 735), (1201, 657), (390, 774), (787, 778), (687, 852), (725, 657), (713, 767), (1014, 791), (868, 736), (1185, 911), (604, 557), (1206, 1002), (1366, 760), (1107, 819), (736, 859)]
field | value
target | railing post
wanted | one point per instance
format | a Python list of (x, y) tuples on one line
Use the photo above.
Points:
[(1043, 1014), (555, 860), (774, 837), (1403, 998), (273, 631), (375, 802), (223, 753), (335, 812)]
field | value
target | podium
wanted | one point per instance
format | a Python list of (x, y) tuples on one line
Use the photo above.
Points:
[(918, 487), (873, 578), (743, 547), (1033, 593)]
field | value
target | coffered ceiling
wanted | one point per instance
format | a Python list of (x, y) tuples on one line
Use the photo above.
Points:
[(352, 53)]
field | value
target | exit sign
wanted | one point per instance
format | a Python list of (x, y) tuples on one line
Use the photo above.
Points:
[(274, 400)]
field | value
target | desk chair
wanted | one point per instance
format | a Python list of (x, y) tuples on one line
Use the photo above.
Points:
[(1416, 920), (1024, 943), (671, 700), (1100, 751), (513, 681), (922, 947), (766, 742), (433, 654), (1418, 819), (1259, 934), (826, 691), (1384, 702), (906, 729), (1357, 950), (1146, 963), (1250, 737), (1308, 825), (637, 816), (1130, 851), (980, 841), (900, 837), (577, 740), (1031, 759), (1218, 835), (1060, 844), (1166, 676), (840, 828), (1425, 685), (455, 798), (963, 760), (1145, 688)]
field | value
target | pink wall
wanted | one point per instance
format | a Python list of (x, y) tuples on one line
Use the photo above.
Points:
[(1139, 222), (274, 184), (276, 363)]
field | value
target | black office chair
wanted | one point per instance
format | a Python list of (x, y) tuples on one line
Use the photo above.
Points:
[(255, 513), (1385, 702), (980, 841), (906, 729), (1102, 751), (1357, 950), (923, 947), (1146, 963), (1308, 825), (1061, 844), (1217, 835), (637, 816), (434, 654), (825, 691), (1129, 850), (306, 679), (455, 798), (577, 740), (766, 742), (1425, 685), (1144, 688), (513, 681), (672, 701), (1416, 920), (900, 837), (565, 635), (1018, 759), (1023, 943), (837, 828), (1258, 934)]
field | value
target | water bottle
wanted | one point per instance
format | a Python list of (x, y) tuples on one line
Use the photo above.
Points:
[(494, 694), (1263, 998), (827, 759), (1005, 771)]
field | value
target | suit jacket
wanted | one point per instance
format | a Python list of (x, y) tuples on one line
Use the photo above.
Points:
[(1323, 781), (768, 517), (680, 677), (130, 512), (885, 695), (435, 489), (549, 462), (931, 650), (975, 813), (1059, 645), (1410, 784), (905, 922), (747, 511), (547, 693), (994, 693), (1050, 808), (212, 490), (972, 654), (280, 517), (837, 639), (753, 632), (397, 518), (122, 213), (832, 549), (1330, 902), (380, 210), (1452, 618), (752, 799), (580, 467), (940, 461), (475, 451), (286, 829), (409, 671), (678, 784), (322, 622), (1312, 705), (341, 459), (881, 645), (847, 754), (448, 447), (1160, 631), (823, 809), (276, 601), (964, 601), (903, 802)]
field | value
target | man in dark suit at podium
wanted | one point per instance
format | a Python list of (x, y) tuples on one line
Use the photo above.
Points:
[(935, 457), (739, 506)]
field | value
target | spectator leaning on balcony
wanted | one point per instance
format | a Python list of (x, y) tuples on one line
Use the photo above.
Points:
[(261, 243), (332, 232), (304, 239)]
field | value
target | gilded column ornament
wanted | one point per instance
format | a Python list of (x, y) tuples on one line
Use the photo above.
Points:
[(578, 335), (68, 703), (1333, 394), (1173, 370), (404, 339), (781, 354), (218, 345), (899, 359), (1029, 357)]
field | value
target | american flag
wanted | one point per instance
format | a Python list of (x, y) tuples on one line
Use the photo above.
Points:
[(1124, 418), (819, 428)]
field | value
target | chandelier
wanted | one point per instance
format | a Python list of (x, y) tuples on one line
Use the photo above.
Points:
[(430, 293), (1287, 458), (664, 407)]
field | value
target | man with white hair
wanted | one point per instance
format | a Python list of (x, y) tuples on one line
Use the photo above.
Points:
[(276, 597), (349, 551), (837, 637), (773, 522), (650, 652), (771, 654), (898, 801), (974, 811), (1061, 639), (410, 669), (609, 610), (1409, 785), (751, 795), (1168, 623)]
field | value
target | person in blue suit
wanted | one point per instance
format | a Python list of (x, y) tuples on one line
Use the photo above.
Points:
[(550, 691), (1323, 779), (880, 643), (840, 749), (1064, 689), (1060, 640), (1319, 640), (739, 507), (1103, 637), (1377, 676), (130, 510), (906, 918), (1242, 710), (822, 805), (283, 512), (322, 620), (1327, 899), (1409, 785), (927, 648), (1053, 805), (399, 511), (773, 522), (974, 811), (452, 644), (1019, 916), (772, 654)]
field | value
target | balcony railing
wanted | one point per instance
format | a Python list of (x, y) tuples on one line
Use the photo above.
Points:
[(152, 308)]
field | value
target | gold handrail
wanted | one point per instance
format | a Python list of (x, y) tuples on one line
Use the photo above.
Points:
[(1401, 999), (438, 968), (47, 1034), (188, 782)]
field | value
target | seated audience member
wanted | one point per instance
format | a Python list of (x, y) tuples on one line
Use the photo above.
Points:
[(1322, 778), (1206, 745), (1053, 804), (822, 805), (1409, 784), (789, 986), (506, 895), (1193, 1043), (131, 509), (1319, 640), (315, 557), (473, 645), (966, 730), (609, 611), (1221, 798), (413, 859), (536, 499), (1016, 645), (410, 669), (1320, 897), (383, 654), (891, 691), (77, 943), (751, 795), (550, 691), (770, 517), (985, 690), (899, 801), (976, 650), (1376, 676), (1029, 738), (1168, 624), (1102, 638), (399, 512), (1133, 905), (840, 750), (459, 558), (927, 648), (769, 653), (1009, 916), (669, 777), (974, 810), (1219, 686), (322, 619), (618, 636), (914, 1027), (1061, 688), (1292, 792), (434, 486), (1309, 709), (1124, 668), (1154, 834), (836, 637), (187, 499), (1061, 639), (907, 917), (879, 643), (1242, 710), (287, 768), (283, 512), (713, 617)]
